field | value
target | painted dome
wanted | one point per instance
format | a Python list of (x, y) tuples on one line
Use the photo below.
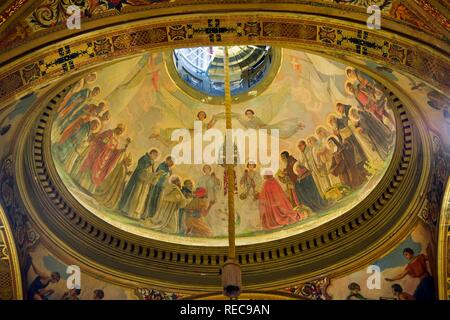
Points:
[(324, 131)]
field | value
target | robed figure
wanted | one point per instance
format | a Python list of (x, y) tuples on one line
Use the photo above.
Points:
[(135, 197), (343, 164), (274, 206), (103, 155), (306, 189), (111, 189), (74, 103), (162, 173), (166, 218), (346, 134), (378, 134), (195, 213), (70, 142)]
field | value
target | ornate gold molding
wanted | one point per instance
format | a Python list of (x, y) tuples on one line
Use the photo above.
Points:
[(444, 247), (249, 295), (50, 25), (299, 31), (10, 275)]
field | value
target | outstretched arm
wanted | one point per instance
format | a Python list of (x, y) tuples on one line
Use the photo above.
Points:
[(398, 277), (38, 272)]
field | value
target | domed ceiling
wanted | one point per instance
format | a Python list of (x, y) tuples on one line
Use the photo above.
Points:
[(112, 138)]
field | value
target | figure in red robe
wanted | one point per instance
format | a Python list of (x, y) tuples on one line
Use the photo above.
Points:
[(103, 154), (367, 100), (274, 206)]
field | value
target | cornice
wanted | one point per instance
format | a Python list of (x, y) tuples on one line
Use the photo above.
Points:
[(344, 11)]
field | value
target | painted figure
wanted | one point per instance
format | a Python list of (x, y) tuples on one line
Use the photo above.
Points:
[(210, 182), (195, 212), (163, 171), (287, 176), (110, 191), (101, 158), (250, 182), (75, 101), (306, 189), (345, 134), (274, 206), (374, 133), (135, 197), (307, 159), (72, 294), (417, 268), (287, 128), (38, 288), (399, 294), (343, 164), (166, 218), (355, 292)]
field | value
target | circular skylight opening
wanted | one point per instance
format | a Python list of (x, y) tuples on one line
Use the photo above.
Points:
[(202, 68)]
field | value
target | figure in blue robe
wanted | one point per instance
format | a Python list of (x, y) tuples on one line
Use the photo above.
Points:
[(85, 109), (306, 191), (82, 95), (72, 143), (163, 171)]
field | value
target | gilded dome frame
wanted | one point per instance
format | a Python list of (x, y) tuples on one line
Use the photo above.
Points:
[(339, 247)]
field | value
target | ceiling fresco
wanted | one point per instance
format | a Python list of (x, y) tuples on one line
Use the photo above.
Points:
[(108, 131), (111, 143)]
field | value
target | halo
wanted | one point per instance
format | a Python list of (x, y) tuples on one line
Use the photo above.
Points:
[(157, 150), (99, 126), (92, 73), (251, 162), (321, 127), (173, 177), (311, 136), (296, 165), (346, 89), (332, 114), (202, 111), (190, 179), (350, 113), (121, 126), (346, 72), (333, 136)]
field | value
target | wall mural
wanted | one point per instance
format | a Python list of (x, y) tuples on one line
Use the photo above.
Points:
[(47, 279), (435, 104), (406, 273), (111, 145), (10, 116)]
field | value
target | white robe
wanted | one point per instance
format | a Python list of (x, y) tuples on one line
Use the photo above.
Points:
[(211, 184), (166, 218)]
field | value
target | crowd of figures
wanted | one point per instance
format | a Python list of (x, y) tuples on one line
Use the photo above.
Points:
[(416, 268), (339, 158), (40, 287)]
